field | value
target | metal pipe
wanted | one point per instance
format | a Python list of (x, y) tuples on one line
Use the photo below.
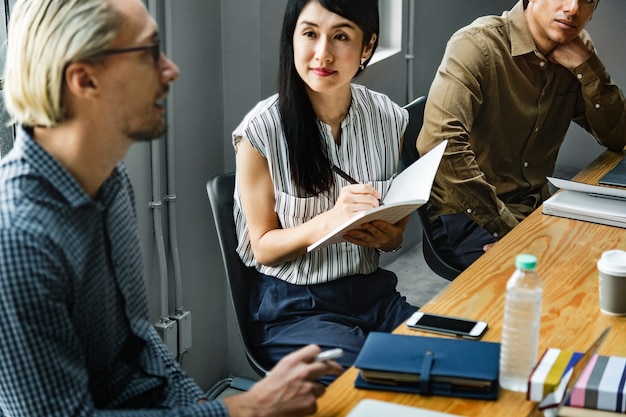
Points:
[(410, 53), (156, 205), (157, 219), (171, 174)]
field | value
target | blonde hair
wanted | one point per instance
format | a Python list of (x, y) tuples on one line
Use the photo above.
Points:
[(44, 37)]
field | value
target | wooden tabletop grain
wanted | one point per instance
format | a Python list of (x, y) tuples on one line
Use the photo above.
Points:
[(567, 252)]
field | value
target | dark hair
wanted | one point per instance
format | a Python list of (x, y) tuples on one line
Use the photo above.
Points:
[(310, 166)]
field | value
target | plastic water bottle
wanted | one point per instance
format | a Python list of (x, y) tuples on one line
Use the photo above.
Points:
[(520, 330)]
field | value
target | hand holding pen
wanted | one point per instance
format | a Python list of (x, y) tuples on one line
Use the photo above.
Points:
[(351, 180)]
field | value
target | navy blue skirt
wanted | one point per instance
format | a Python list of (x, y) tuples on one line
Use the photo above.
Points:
[(339, 313)]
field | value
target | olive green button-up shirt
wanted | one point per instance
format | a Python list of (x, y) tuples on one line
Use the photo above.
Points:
[(505, 110)]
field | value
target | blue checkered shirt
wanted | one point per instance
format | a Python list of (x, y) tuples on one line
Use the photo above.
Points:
[(74, 329)]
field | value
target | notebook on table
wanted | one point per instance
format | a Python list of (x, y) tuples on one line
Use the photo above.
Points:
[(564, 393), (429, 366)]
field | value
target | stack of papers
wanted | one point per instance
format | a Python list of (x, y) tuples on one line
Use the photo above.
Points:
[(591, 203)]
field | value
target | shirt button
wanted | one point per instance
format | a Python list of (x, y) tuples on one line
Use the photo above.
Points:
[(542, 64), (536, 129), (579, 76), (525, 164), (469, 211), (349, 249), (597, 105), (495, 234)]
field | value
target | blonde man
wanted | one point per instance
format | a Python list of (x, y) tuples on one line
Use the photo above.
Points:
[(85, 79)]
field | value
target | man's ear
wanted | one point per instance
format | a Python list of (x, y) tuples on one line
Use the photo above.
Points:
[(80, 79)]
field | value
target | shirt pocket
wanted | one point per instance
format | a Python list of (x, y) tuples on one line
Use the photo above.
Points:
[(294, 211)]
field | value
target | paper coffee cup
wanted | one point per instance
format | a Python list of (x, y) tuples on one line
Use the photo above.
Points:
[(612, 282)]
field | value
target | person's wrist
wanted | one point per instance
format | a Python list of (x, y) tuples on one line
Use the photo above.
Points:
[(394, 250)]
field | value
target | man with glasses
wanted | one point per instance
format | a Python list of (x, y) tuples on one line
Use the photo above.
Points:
[(504, 96), (85, 79)]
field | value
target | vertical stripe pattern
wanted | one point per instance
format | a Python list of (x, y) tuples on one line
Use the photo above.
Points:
[(601, 386), (369, 151)]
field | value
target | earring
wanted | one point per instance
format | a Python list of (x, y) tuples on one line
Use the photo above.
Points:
[(362, 66)]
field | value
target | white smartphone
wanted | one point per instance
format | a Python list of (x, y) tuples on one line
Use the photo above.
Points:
[(469, 329)]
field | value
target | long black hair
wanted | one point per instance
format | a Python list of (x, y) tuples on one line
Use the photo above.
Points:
[(310, 166)]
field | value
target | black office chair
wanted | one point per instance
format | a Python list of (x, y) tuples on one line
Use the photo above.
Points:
[(409, 155), (220, 189)]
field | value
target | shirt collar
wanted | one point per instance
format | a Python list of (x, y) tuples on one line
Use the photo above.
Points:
[(47, 167), (350, 115), (521, 41)]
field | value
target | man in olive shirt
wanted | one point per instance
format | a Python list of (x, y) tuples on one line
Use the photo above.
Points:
[(504, 96)]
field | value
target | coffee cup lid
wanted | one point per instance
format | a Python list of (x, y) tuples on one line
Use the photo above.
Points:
[(613, 262)]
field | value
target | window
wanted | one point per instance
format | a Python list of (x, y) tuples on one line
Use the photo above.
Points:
[(390, 29)]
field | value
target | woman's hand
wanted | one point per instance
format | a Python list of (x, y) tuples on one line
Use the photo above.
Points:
[(354, 199), (379, 234)]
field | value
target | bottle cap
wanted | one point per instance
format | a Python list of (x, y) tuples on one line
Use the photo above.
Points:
[(526, 261)]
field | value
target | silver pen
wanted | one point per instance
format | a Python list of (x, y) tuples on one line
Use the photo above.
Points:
[(329, 355)]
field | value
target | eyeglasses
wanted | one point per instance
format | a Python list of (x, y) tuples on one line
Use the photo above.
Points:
[(154, 48)]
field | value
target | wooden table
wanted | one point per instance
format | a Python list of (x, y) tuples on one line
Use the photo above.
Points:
[(567, 252)]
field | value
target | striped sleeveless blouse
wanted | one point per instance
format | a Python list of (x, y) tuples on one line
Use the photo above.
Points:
[(369, 151)]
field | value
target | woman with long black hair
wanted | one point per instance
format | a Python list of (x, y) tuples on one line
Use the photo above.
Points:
[(287, 195)]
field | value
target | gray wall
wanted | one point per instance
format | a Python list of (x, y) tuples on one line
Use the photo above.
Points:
[(435, 22), (192, 33)]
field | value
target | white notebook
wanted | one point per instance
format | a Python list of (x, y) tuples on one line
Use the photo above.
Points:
[(408, 191), (586, 202), (375, 408)]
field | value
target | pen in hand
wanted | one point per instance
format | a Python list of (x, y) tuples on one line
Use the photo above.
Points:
[(351, 180), (329, 355)]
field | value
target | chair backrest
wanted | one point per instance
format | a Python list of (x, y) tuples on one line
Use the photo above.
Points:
[(409, 155), (416, 119), (220, 189)]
